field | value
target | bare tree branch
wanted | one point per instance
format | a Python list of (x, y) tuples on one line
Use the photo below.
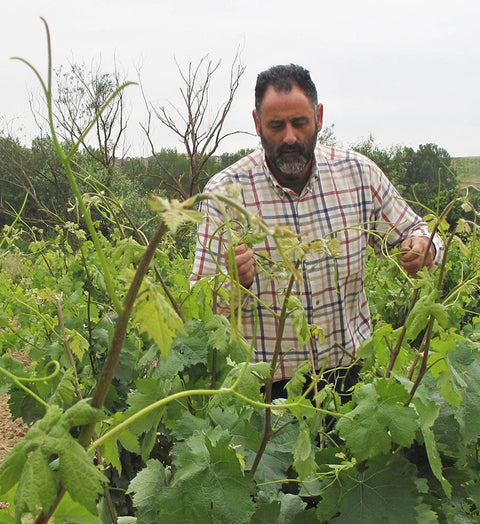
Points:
[(196, 123), (82, 92)]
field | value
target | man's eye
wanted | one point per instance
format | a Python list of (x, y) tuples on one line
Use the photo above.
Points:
[(299, 123)]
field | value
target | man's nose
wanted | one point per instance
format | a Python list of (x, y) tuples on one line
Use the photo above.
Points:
[(290, 137)]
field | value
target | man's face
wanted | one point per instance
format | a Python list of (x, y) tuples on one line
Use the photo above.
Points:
[(288, 125)]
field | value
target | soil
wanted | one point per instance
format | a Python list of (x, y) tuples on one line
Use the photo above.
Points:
[(11, 430)]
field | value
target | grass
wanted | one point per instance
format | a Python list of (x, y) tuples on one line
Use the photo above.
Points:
[(468, 170)]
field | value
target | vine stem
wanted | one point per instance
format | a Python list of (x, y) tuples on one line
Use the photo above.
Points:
[(416, 292), (200, 392), (16, 380), (267, 432), (67, 347), (425, 345), (113, 355)]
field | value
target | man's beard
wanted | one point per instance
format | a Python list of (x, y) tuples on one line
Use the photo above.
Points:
[(290, 160)]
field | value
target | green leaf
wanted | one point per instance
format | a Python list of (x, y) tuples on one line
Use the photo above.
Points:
[(299, 319), (37, 488), (266, 513), (421, 312), (156, 317), (74, 513), (425, 515), (65, 392), (81, 414), (78, 344), (208, 478), (145, 488), (175, 213), (111, 454), (246, 437), (147, 392), (293, 510), (304, 453), (380, 492), (11, 467), (450, 383), (379, 418), (189, 424), (248, 386), (278, 456), (80, 477), (296, 384), (226, 341), (189, 349), (465, 363), (47, 439), (428, 413)]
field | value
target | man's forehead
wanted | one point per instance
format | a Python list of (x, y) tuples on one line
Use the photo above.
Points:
[(293, 101)]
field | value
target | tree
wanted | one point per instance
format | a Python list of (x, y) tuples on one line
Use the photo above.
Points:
[(38, 173), (82, 91), (199, 133), (429, 178)]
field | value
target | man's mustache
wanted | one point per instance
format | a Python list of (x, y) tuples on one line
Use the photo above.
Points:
[(294, 148)]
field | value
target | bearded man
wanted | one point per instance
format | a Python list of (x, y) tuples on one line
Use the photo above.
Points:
[(318, 192)]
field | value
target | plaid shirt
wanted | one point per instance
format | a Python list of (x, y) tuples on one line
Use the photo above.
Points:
[(345, 191)]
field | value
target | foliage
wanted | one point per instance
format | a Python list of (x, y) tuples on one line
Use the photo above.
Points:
[(468, 169), (191, 408)]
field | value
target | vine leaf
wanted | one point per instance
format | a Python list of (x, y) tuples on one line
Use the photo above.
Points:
[(299, 319), (304, 453), (465, 363), (425, 307), (145, 488), (208, 486), (379, 419), (175, 213), (48, 456), (156, 317), (376, 493), (428, 412), (249, 385), (450, 383)]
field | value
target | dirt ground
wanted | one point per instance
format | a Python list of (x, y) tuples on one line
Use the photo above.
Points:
[(11, 431)]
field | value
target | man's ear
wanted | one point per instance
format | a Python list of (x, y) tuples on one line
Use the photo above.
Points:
[(320, 116), (256, 119)]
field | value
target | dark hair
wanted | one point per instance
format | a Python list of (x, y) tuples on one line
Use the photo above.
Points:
[(283, 78)]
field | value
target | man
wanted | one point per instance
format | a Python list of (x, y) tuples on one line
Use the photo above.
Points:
[(317, 192)]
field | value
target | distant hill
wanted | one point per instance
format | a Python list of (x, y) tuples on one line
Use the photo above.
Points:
[(468, 170)]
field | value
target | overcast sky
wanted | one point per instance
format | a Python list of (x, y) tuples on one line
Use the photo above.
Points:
[(405, 71)]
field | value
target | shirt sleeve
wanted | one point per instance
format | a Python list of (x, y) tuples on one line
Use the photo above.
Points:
[(394, 219)]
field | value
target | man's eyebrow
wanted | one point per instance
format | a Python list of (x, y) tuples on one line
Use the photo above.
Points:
[(296, 119), (276, 121), (299, 119)]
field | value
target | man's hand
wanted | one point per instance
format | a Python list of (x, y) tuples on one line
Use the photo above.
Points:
[(415, 256), (245, 264)]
